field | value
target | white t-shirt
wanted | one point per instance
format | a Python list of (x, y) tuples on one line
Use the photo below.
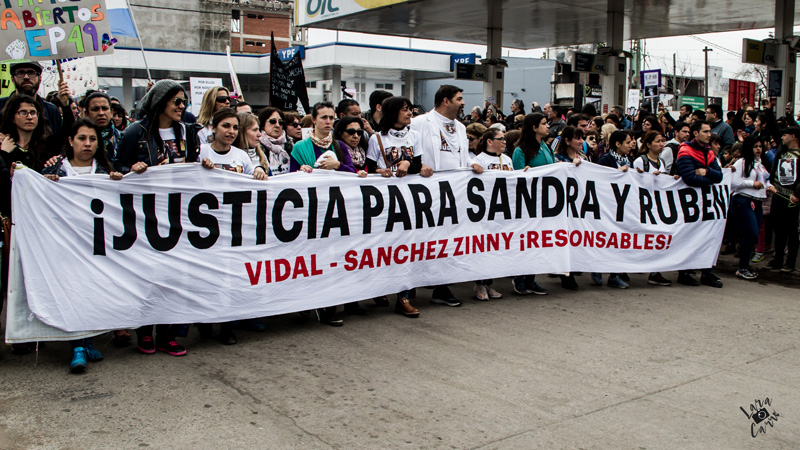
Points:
[(653, 167), (85, 170), (399, 146), (204, 135), (171, 150), (235, 160), (493, 162)]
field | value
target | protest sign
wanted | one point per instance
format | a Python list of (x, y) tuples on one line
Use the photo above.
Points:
[(43, 31), (183, 244), (198, 87), (287, 82)]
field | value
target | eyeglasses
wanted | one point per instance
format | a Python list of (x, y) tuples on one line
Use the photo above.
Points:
[(24, 73), (293, 124), (276, 121), (472, 138), (223, 99), (177, 101), (352, 131), (31, 113)]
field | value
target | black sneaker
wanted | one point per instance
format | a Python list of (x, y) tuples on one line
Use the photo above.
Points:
[(443, 296), (146, 345), (327, 316), (746, 274), (712, 280), (688, 280), (568, 282), (787, 269), (171, 348), (658, 280)]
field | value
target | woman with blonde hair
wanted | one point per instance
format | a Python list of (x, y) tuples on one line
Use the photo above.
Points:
[(248, 139), (605, 133), (216, 98)]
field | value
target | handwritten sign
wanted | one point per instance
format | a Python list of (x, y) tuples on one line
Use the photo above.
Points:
[(47, 30), (287, 82), (198, 87)]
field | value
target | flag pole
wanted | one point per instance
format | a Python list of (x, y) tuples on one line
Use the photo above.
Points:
[(139, 37)]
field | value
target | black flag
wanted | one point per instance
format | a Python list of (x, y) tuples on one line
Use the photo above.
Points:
[(287, 82)]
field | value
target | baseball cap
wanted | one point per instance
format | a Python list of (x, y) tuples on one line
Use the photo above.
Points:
[(795, 131)]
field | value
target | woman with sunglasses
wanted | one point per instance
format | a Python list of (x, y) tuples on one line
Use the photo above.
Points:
[(273, 140), (294, 131), (159, 138), (214, 99), (349, 131), (474, 134)]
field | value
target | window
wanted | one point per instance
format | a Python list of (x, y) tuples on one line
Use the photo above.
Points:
[(251, 16), (236, 25), (384, 86), (311, 84), (361, 93)]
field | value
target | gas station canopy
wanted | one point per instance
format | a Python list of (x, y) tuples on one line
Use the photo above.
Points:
[(530, 24)]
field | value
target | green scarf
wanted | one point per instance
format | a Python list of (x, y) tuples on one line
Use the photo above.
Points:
[(303, 153)]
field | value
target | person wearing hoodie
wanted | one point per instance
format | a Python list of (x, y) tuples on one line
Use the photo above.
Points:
[(697, 165)]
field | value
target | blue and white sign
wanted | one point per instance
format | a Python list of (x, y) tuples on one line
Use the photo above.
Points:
[(285, 54), (467, 58)]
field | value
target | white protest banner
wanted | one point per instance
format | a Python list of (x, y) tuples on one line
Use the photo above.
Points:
[(198, 87), (183, 244), (42, 31)]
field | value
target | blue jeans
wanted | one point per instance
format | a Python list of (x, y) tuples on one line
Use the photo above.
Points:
[(747, 220)]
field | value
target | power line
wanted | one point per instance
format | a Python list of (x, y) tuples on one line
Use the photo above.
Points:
[(719, 47)]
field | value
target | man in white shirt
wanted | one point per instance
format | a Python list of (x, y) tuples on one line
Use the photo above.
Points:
[(444, 144)]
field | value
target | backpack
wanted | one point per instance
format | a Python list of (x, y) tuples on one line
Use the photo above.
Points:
[(674, 147)]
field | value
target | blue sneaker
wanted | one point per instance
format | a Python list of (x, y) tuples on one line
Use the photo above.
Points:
[(92, 354), (597, 279), (617, 283), (78, 364)]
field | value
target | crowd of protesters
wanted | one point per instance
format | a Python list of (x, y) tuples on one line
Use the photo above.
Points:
[(62, 136)]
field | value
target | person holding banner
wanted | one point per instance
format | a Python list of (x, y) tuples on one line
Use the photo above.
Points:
[(320, 150), (532, 151), (221, 153), (161, 137), (620, 145), (697, 165), (214, 99), (273, 140), (83, 155), (649, 161), (348, 130)]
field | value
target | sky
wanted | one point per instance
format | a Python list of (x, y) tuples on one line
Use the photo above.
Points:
[(727, 48)]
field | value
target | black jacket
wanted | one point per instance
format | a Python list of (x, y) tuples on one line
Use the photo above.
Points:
[(137, 144)]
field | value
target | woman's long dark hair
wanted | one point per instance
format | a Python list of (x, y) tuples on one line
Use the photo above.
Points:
[(99, 155), (528, 141), (568, 133), (39, 134), (748, 155), (177, 127), (342, 124), (390, 108)]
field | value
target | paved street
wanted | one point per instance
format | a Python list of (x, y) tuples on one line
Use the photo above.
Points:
[(646, 368)]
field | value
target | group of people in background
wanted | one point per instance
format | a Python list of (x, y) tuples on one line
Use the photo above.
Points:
[(61, 136)]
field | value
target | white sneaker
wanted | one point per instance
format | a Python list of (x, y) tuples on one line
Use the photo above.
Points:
[(493, 293), (481, 292)]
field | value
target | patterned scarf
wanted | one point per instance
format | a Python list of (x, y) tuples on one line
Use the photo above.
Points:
[(399, 133), (107, 134), (274, 145), (358, 155), (621, 159), (323, 143)]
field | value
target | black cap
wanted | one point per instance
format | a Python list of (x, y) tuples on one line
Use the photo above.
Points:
[(794, 131), (26, 65)]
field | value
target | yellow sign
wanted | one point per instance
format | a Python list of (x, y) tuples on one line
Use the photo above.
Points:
[(757, 52)]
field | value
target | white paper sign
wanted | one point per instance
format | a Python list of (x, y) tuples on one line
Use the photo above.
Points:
[(198, 87)]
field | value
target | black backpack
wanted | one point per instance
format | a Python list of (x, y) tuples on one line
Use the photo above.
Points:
[(674, 147)]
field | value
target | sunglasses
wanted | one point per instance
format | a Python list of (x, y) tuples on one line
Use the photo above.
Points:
[(472, 139), (502, 139), (177, 101), (276, 121), (293, 124), (223, 99), (352, 131)]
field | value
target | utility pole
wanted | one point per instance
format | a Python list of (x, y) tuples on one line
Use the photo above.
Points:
[(675, 80), (705, 83)]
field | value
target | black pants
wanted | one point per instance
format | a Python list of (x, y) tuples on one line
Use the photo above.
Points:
[(164, 333), (784, 219)]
